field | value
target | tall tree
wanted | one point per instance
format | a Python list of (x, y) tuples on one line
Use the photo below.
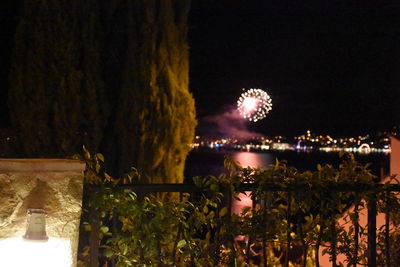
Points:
[(56, 97), (155, 78), (111, 75)]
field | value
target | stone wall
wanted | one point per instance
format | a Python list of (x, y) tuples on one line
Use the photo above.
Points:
[(54, 185)]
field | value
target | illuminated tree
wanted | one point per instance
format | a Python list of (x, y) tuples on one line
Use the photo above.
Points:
[(155, 78), (110, 75)]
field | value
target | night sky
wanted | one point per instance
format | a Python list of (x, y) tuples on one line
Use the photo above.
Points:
[(8, 22), (332, 67)]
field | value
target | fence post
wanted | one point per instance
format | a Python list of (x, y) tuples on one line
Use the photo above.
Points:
[(94, 236), (249, 240), (372, 230), (387, 228), (333, 242), (114, 223), (264, 229), (288, 230), (356, 233)]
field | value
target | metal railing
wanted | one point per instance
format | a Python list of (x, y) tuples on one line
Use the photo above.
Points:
[(372, 190)]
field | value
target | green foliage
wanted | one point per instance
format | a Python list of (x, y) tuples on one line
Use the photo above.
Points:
[(292, 211)]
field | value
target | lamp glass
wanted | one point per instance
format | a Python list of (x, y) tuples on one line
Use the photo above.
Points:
[(36, 229)]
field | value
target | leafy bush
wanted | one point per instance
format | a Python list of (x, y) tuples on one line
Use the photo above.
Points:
[(294, 215)]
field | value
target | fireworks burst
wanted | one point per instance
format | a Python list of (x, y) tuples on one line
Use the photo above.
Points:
[(254, 104)]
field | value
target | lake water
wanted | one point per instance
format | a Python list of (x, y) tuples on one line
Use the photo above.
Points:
[(202, 162)]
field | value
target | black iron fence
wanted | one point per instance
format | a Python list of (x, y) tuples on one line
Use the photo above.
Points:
[(380, 252)]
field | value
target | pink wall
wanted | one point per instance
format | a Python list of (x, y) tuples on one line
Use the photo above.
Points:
[(395, 156), (380, 219)]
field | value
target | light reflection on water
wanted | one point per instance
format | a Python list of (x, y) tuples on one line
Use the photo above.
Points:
[(254, 160), (251, 159), (202, 162)]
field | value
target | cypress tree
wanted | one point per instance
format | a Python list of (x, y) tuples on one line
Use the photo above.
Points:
[(57, 98), (153, 95), (44, 77), (93, 97), (111, 75)]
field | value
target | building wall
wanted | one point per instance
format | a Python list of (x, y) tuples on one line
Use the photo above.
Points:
[(52, 185)]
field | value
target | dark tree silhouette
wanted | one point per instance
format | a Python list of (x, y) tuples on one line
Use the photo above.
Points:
[(110, 75)]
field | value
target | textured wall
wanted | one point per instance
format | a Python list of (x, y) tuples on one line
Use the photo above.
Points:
[(395, 156), (50, 184)]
